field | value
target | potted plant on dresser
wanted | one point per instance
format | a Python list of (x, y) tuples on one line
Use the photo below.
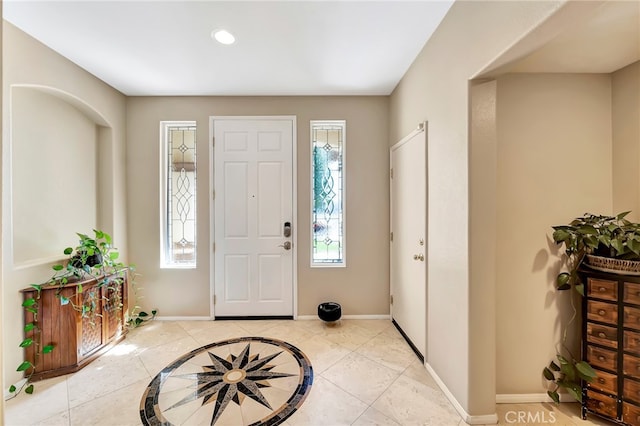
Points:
[(78, 313), (602, 265)]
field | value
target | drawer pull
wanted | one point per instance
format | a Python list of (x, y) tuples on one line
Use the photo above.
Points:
[(601, 381), (602, 290), (601, 404), (601, 358), (601, 312), (602, 335)]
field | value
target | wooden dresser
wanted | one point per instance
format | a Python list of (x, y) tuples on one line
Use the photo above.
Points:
[(611, 344), (78, 339)]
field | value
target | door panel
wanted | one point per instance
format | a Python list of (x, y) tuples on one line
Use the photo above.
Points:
[(409, 244), (253, 181)]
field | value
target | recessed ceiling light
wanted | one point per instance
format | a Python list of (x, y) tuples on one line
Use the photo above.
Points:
[(223, 36)]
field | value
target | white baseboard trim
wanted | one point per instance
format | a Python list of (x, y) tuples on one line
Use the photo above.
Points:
[(184, 319), (486, 419), (530, 398), (357, 317)]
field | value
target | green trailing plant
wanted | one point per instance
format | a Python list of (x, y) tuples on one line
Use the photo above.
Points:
[(136, 316), (590, 234), (93, 257)]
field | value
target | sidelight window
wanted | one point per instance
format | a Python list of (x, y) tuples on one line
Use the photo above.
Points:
[(328, 193), (178, 194)]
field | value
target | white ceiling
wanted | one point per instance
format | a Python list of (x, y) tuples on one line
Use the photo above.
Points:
[(282, 47)]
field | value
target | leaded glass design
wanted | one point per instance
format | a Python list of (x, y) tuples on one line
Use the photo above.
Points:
[(179, 227), (327, 150)]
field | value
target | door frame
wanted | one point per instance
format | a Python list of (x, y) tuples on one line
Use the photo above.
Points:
[(294, 201)]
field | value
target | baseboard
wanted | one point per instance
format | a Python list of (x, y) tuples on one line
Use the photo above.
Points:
[(358, 317), (184, 319), (299, 317), (530, 398), (486, 419)]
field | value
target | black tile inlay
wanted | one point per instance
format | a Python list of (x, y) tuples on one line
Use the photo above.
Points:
[(245, 375)]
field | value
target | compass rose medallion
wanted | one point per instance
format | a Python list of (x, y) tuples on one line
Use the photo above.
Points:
[(249, 380)]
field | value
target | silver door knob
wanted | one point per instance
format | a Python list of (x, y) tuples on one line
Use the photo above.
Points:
[(419, 257), (286, 245)]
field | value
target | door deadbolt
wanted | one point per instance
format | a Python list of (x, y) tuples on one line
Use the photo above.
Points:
[(419, 257), (287, 229)]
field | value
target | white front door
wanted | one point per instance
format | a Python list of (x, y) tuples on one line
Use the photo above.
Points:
[(409, 241), (253, 249)]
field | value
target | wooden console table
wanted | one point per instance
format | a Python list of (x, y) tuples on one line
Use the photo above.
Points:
[(78, 339)]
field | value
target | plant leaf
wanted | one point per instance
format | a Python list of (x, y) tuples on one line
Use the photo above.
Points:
[(37, 286), (29, 389), (560, 235), (47, 349), (554, 395), (28, 327), (12, 388), (29, 302), (68, 251), (580, 288), (585, 370), (57, 267), (26, 342), (553, 366), (143, 314), (548, 374), (24, 366), (64, 300), (114, 255), (563, 279)]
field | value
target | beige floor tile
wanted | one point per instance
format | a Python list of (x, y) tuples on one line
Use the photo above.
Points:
[(287, 333), (155, 333), (322, 353), (60, 419), (100, 411), (373, 417), (417, 371), (388, 351), (361, 377), (409, 402), (49, 399), (103, 376), (349, 335), (257, 327), (329, 405), (158, 357), (212, 331)]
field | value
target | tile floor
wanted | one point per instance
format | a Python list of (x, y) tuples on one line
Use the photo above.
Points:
[(364, 374)]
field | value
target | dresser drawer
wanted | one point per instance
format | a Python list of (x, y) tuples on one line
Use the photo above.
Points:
[(631, 390), (630, 414), (631, 366), (605, 382), (602, 311), (602, 358), (602, 334), (602, 404), (632, 293), (602, 289), (632, 317), (631, 342)]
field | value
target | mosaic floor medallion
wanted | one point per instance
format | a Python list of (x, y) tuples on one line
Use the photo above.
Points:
[(242, 381)]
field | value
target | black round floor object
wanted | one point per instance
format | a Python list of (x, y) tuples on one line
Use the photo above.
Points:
[(329, 311)]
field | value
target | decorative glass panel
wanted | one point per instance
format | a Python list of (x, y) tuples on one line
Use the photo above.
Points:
[(327, 209), (179, 210)]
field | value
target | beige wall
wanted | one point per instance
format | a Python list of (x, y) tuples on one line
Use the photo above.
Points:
[(361, 288), (554, 163), (436, 88), (1, 209), (72, 124), (625, 98)]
